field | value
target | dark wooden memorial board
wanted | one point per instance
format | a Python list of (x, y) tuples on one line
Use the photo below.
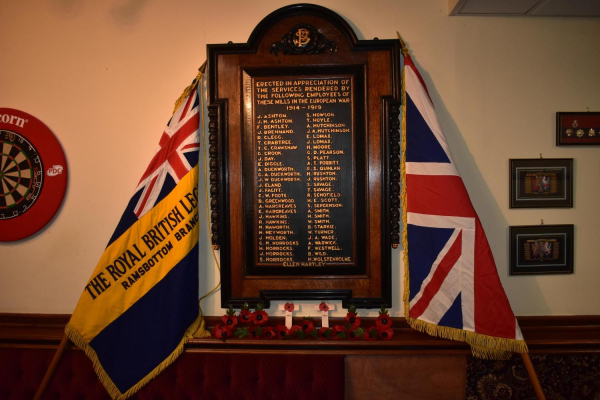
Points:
[(304, 147)]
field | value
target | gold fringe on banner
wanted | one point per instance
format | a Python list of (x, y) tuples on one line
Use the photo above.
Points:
[(112, 389), (403, 197), (482, 346)]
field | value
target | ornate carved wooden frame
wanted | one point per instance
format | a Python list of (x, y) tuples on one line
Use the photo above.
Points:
[(333, 48)]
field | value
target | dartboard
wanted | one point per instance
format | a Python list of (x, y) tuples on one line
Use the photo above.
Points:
[(33, 175), (21, 174)]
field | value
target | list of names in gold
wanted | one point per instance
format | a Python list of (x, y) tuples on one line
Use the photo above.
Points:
[(303, 143)]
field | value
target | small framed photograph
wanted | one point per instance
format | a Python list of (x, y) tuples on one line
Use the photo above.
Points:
[(541, 183), (541, 249), (577, 128)]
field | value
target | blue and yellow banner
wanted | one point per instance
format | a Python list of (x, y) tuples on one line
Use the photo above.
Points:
[(141, 304)]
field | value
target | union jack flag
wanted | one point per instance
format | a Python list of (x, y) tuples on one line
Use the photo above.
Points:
[(176, 155), (179, 138), (453, 287)]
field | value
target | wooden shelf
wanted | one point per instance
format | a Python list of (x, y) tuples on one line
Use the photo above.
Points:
[(544, 334)]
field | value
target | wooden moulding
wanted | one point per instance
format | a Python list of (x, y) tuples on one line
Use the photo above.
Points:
[(544, 334), (213, 139), (363, 278)]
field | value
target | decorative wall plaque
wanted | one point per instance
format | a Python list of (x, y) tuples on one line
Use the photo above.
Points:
[(578, 128), (541, 182), (303, 138), (541, 249)]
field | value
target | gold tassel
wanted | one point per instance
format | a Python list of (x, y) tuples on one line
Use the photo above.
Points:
[(403, 198), (201, 332), (188, 90), (206, 333), (402, 45)]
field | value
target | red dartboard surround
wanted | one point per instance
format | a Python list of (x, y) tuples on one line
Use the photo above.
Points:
[(33, 175)]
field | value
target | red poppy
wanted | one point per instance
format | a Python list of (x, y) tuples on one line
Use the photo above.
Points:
[(371, 334), (245, 316), (282, 331), (385, 333), (297, 332), (323, 306), (324, 333), (307, 326), (383, 321), (223, 332), (289, 307), (338, 332), (255, 332), (355, 333), (259, 317), (229, 320), (269, 333), (295, 328), (353, 319)]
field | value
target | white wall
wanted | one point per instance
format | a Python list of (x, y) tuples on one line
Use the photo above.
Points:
[(104, 76)]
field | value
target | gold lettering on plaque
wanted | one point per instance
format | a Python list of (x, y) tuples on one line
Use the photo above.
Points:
[(303, 37), (303, 140)]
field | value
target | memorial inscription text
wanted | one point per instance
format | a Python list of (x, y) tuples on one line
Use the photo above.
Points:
[(303, 146)]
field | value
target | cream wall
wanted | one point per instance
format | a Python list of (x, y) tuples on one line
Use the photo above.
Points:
[(104, 76)]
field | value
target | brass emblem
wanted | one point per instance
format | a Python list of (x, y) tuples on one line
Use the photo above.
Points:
[(592, 132), (575, 124), (569, 132), (580, 132), (303, 37)]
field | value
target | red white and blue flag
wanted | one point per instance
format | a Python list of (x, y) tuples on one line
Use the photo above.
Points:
[(177, 144), (452, 288)]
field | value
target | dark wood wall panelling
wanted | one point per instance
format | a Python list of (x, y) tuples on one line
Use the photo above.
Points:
[(544, 334)]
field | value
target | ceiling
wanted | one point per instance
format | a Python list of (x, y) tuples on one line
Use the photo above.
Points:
[(526, 8)]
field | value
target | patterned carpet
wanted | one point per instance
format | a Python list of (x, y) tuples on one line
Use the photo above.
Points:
[(562, 376)]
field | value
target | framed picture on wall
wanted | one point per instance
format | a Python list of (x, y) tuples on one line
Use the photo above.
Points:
[(577, 128), (541, 183), (541, 249)]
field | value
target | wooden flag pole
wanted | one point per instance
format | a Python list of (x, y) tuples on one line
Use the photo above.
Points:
[(533, 376), (52, 368)]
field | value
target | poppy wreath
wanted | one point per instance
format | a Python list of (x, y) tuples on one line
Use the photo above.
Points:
[(352, 330)]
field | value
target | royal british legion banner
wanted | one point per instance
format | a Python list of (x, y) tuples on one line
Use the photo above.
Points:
[(141, 304)]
